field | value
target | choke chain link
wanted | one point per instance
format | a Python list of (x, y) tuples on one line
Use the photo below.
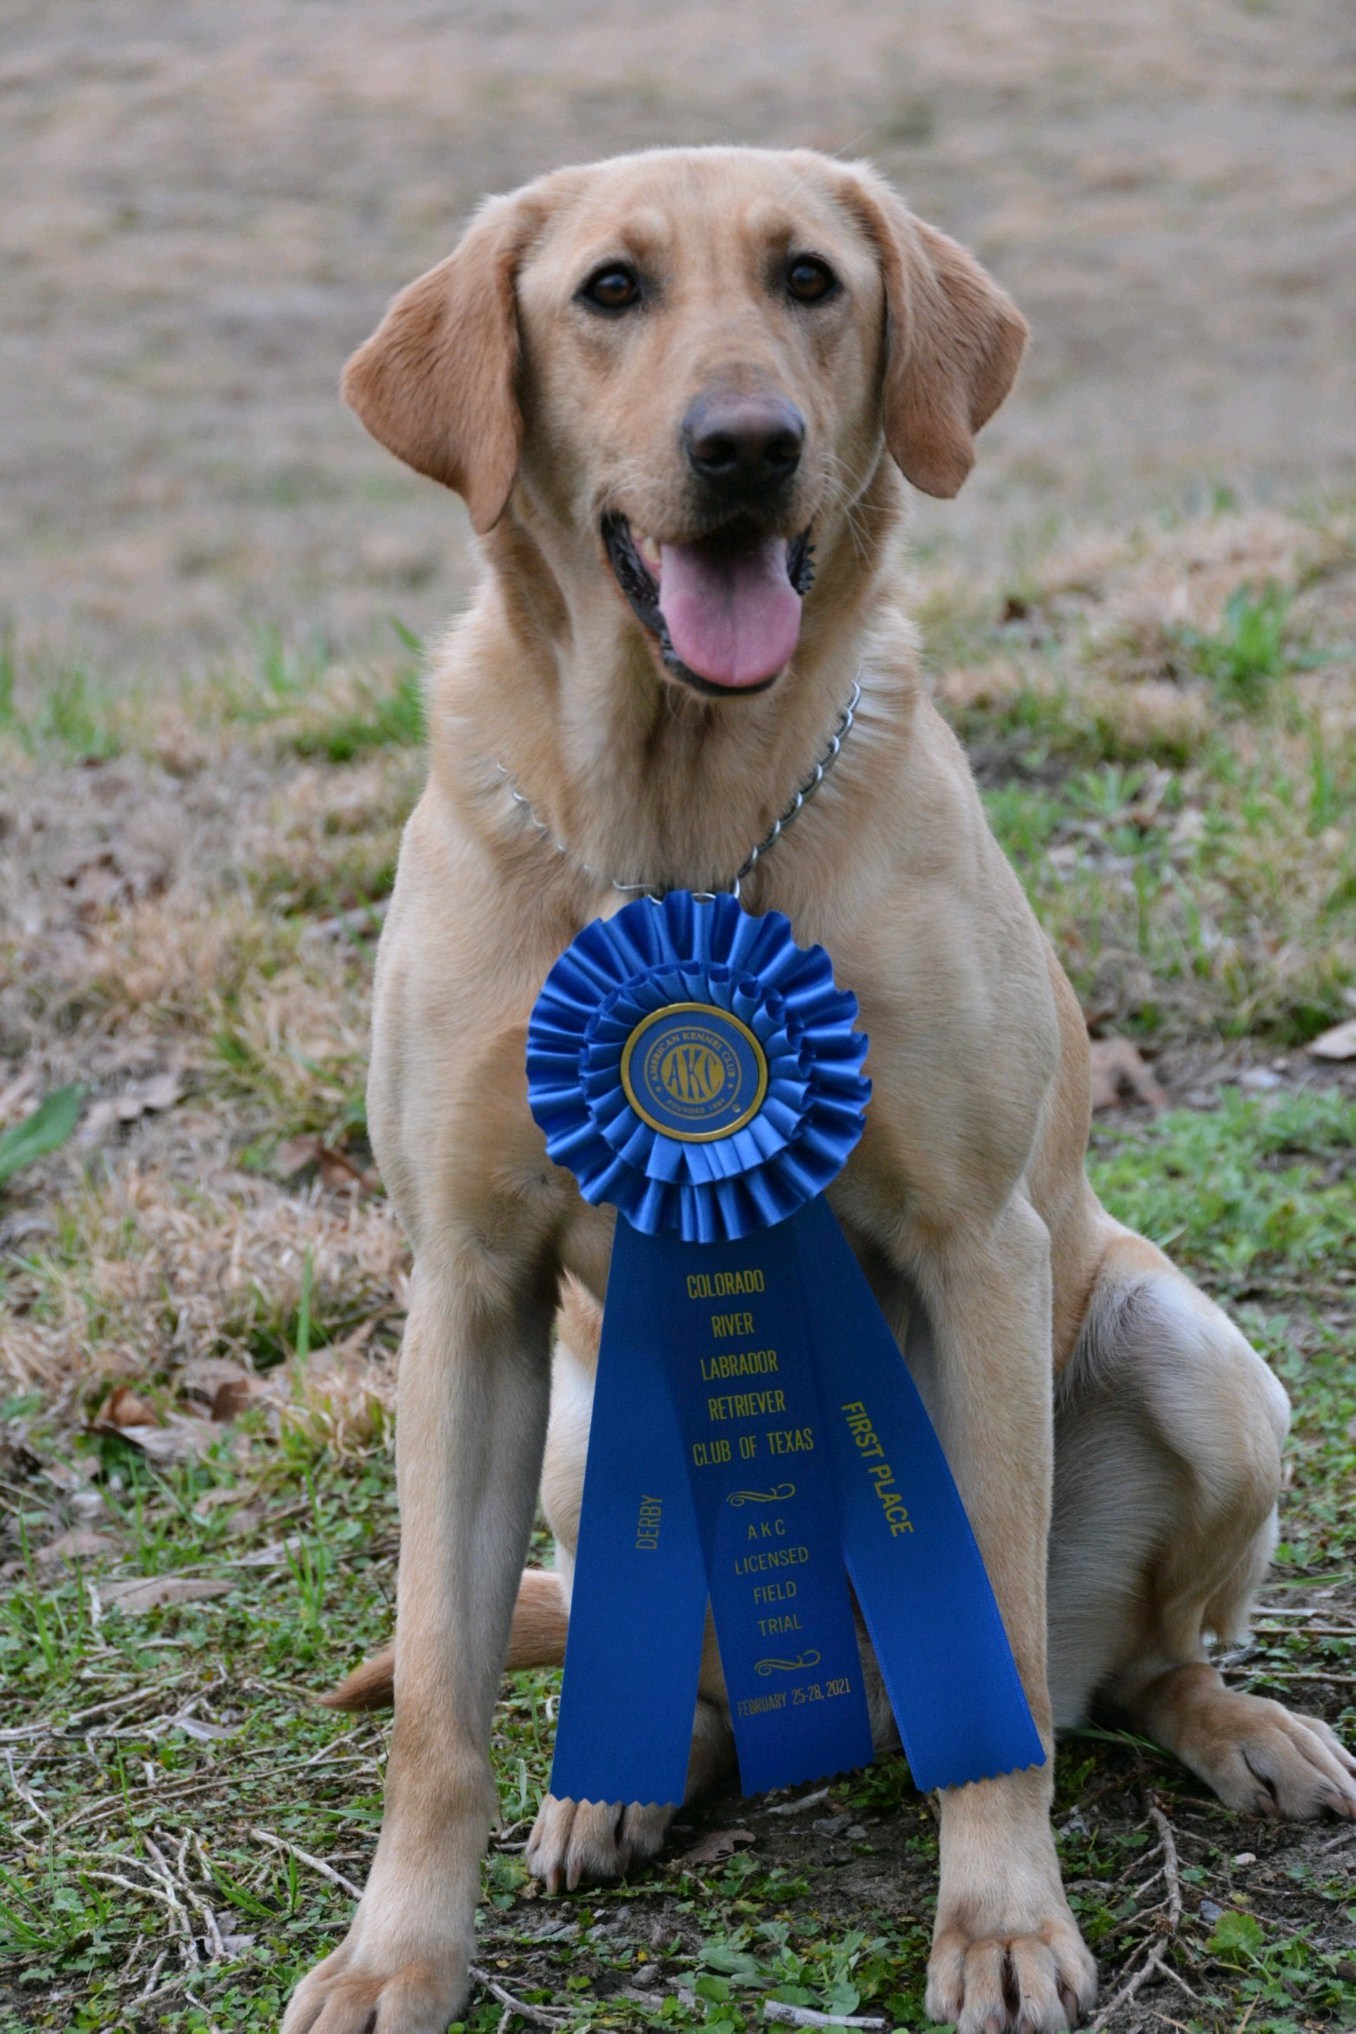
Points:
[(793, 811)]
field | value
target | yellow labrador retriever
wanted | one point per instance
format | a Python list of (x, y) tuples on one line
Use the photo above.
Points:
[(674, 390)]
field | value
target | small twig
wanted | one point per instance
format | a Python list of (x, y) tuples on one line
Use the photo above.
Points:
[(155, 1891), (1152, 1880), (1170, 1871), (1339, 1631), (540, 2016), (146, 1694), (799, 1807), (322, 1757), (806, 2016), (1302, 1674), (1128, 1990), (173, 1902), (216, 1947), (1178, 1979), (156, 1969), (317, 1864), (1155, 1963), (29, 1800)]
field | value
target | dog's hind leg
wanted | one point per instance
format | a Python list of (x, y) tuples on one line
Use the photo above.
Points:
[(1167, 1470)]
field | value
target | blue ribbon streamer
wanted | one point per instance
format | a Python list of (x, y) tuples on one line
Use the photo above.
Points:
[(756, 1437)]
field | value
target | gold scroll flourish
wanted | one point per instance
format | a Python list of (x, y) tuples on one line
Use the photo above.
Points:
[(766, 1667), (778, 1496)]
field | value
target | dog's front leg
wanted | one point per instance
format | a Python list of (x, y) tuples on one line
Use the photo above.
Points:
[(471, 1424), (1006, 1950)]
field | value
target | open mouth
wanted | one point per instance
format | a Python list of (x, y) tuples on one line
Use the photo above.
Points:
[(726, 610)]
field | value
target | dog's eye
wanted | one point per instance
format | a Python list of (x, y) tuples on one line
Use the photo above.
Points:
[(810, 280), (613, 288)]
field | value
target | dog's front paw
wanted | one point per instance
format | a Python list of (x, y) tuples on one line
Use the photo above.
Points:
[(357, 1989), (1037, 1978), (581, 1843)]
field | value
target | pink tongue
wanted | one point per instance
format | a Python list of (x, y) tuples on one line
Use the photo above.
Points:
[(732, 616)]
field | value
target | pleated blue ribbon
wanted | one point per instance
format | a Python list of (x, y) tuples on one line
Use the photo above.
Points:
[(756, 1437)]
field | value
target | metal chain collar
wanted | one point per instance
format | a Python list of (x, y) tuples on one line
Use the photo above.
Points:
[(755, 854)]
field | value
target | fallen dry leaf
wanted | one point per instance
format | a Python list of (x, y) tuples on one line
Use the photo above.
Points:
[(125, 1409), (178, 1439), (716, 1847), (274, 1555), (80, 1543), (336, 1168), (143, 1098), (210, 1500), (148, 1592), (1117, 1068), (109, 876), (1337, 1043), (223, 1388), (232, 1397)]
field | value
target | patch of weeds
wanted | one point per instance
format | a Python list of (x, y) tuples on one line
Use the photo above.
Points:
[(273, 1327), (280, 675), (1257, 1200), (320, 707), (56, 710), (1049, 721), (332, 875), (1277, 1976), (1245, 656), (1231, 887), (158, 1744), (375, 717), (1244, 1191), (289, 1091)]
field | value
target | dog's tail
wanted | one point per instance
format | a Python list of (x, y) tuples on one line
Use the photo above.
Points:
[(540, 1622)]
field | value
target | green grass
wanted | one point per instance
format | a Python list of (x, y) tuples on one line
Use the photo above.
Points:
[(390, 717), (1257, 1198), (316, 705), (1230, 889), (1178, 803), (1250, 650), (45, 1129), (54, 709)]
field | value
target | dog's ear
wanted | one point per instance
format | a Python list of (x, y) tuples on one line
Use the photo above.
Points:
[(953, 341), (436, 381)]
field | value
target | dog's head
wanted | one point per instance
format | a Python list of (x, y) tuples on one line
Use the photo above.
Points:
[(691, 363)]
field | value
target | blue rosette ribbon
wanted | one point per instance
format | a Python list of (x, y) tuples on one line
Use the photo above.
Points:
[(757, 1442)]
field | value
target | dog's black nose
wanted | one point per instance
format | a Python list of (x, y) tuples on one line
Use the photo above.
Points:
[(744, 443)]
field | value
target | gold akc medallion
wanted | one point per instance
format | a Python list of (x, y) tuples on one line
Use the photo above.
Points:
[(694, 1072)]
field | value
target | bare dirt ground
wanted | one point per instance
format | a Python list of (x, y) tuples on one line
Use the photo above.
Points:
[(208, 206)]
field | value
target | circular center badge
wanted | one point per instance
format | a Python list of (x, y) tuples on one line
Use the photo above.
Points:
[(694, 1072)]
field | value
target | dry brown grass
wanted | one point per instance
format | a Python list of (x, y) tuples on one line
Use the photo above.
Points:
[(202, 905)]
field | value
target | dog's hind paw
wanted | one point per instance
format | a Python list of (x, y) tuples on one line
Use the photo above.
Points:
[(581, 1843), (1263, 1759)]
